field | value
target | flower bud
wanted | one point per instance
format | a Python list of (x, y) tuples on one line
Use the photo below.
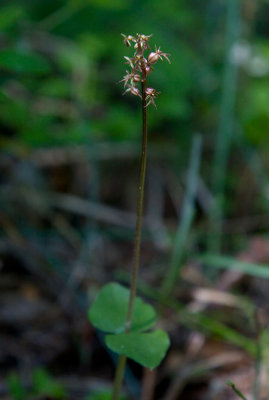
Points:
[(147, 69), (153, 57)]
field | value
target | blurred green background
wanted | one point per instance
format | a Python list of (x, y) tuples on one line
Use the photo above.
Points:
[(61, 63)]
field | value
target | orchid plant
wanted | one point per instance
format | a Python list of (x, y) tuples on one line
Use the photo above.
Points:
[(124, 317)]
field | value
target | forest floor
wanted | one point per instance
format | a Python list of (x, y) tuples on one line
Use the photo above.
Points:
[(62, 239)]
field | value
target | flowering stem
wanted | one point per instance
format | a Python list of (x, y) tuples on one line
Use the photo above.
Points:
[(140, 66), (139, 216)]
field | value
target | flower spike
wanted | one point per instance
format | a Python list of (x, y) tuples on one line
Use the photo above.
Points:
[(141, 66)]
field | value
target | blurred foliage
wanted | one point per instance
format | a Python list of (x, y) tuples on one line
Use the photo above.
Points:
[(61, 61), (16, 388), (42, 385), (102, 395)]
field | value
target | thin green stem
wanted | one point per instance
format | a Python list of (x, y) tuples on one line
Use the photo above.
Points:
[(139, 215), (258, 358), (119, 377), (187, 215), (136, 258)]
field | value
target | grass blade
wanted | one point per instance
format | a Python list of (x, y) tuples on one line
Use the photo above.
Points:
[(216, 261), (187, 217)]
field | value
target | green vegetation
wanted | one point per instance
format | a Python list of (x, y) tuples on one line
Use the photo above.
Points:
[(239, 394), (42, 385)]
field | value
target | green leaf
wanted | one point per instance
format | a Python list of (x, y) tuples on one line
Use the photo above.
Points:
[(148, 349), (30, 63), (109, 310)]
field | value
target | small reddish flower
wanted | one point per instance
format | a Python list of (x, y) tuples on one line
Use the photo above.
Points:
[(151, 94), (133, 90), (142, 42), (130, 61), (128, 39), (155, 55), (130, 78)]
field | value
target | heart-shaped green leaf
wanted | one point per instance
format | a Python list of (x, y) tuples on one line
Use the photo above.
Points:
[(109, 310), (148, 349)]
